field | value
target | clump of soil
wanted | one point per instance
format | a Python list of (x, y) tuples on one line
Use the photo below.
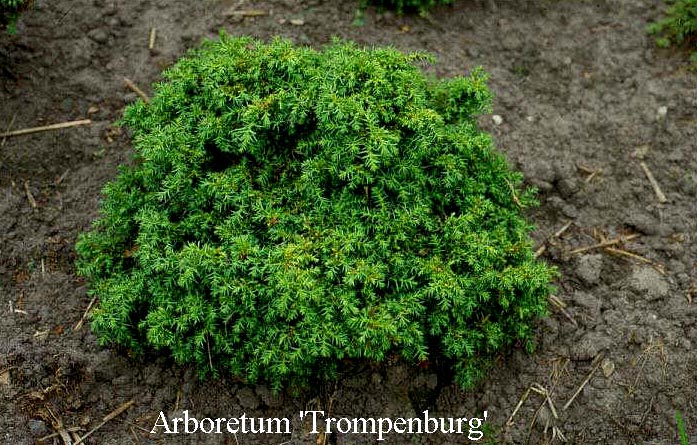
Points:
[(583, 97)]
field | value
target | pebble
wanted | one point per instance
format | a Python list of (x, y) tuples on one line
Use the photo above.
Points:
[(688, 184), (98, 35), (498, 120), (588, 301), (570, 211), (540, 169), (268, 397), (644, 223), (647, 281), (589, 346), (568, 187), (608, 367), (37, 428), (247, 398), (588, 268), (661, 113)]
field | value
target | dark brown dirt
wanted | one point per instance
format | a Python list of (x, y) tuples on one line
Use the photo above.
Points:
[(578, 87)]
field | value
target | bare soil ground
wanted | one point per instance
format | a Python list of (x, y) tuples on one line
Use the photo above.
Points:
[(579, 90)]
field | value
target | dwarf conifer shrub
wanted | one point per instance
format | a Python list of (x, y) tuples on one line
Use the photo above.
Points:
[(290, 209), (679, 27)]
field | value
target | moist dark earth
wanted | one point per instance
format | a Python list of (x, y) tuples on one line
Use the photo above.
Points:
[(584, 105)]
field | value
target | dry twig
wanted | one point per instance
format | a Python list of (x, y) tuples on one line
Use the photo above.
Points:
[(79, 324), (62, 177), (606, 243), (557, 234), (133, 87), (628, 254), (106, 419), (522, 400), (247, 12), (590, 172), (656, 188), (72, 429), (559, 304), (46, 128), (151, 40), (9, 127), (597, 361), (30, 196)]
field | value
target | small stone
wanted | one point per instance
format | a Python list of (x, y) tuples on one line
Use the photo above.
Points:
[(5, 377), (539, 169), (247, 398), (268, 397), (84, 420), (563, 169), (588, 268), (122, 380), (643, 222), (641, 151), (37, 428), (98, 35), (608, 367), (589, 346), (570, 211), (688, 184), (661, 113), (530, 118), (567, 60), (646, 280), (568, 187), (498, 120), (297, 22), (542, 186)]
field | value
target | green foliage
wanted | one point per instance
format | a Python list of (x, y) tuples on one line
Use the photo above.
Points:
[(290, 209), (410, 5), (684, 440), (9, 11), (679, 27)]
